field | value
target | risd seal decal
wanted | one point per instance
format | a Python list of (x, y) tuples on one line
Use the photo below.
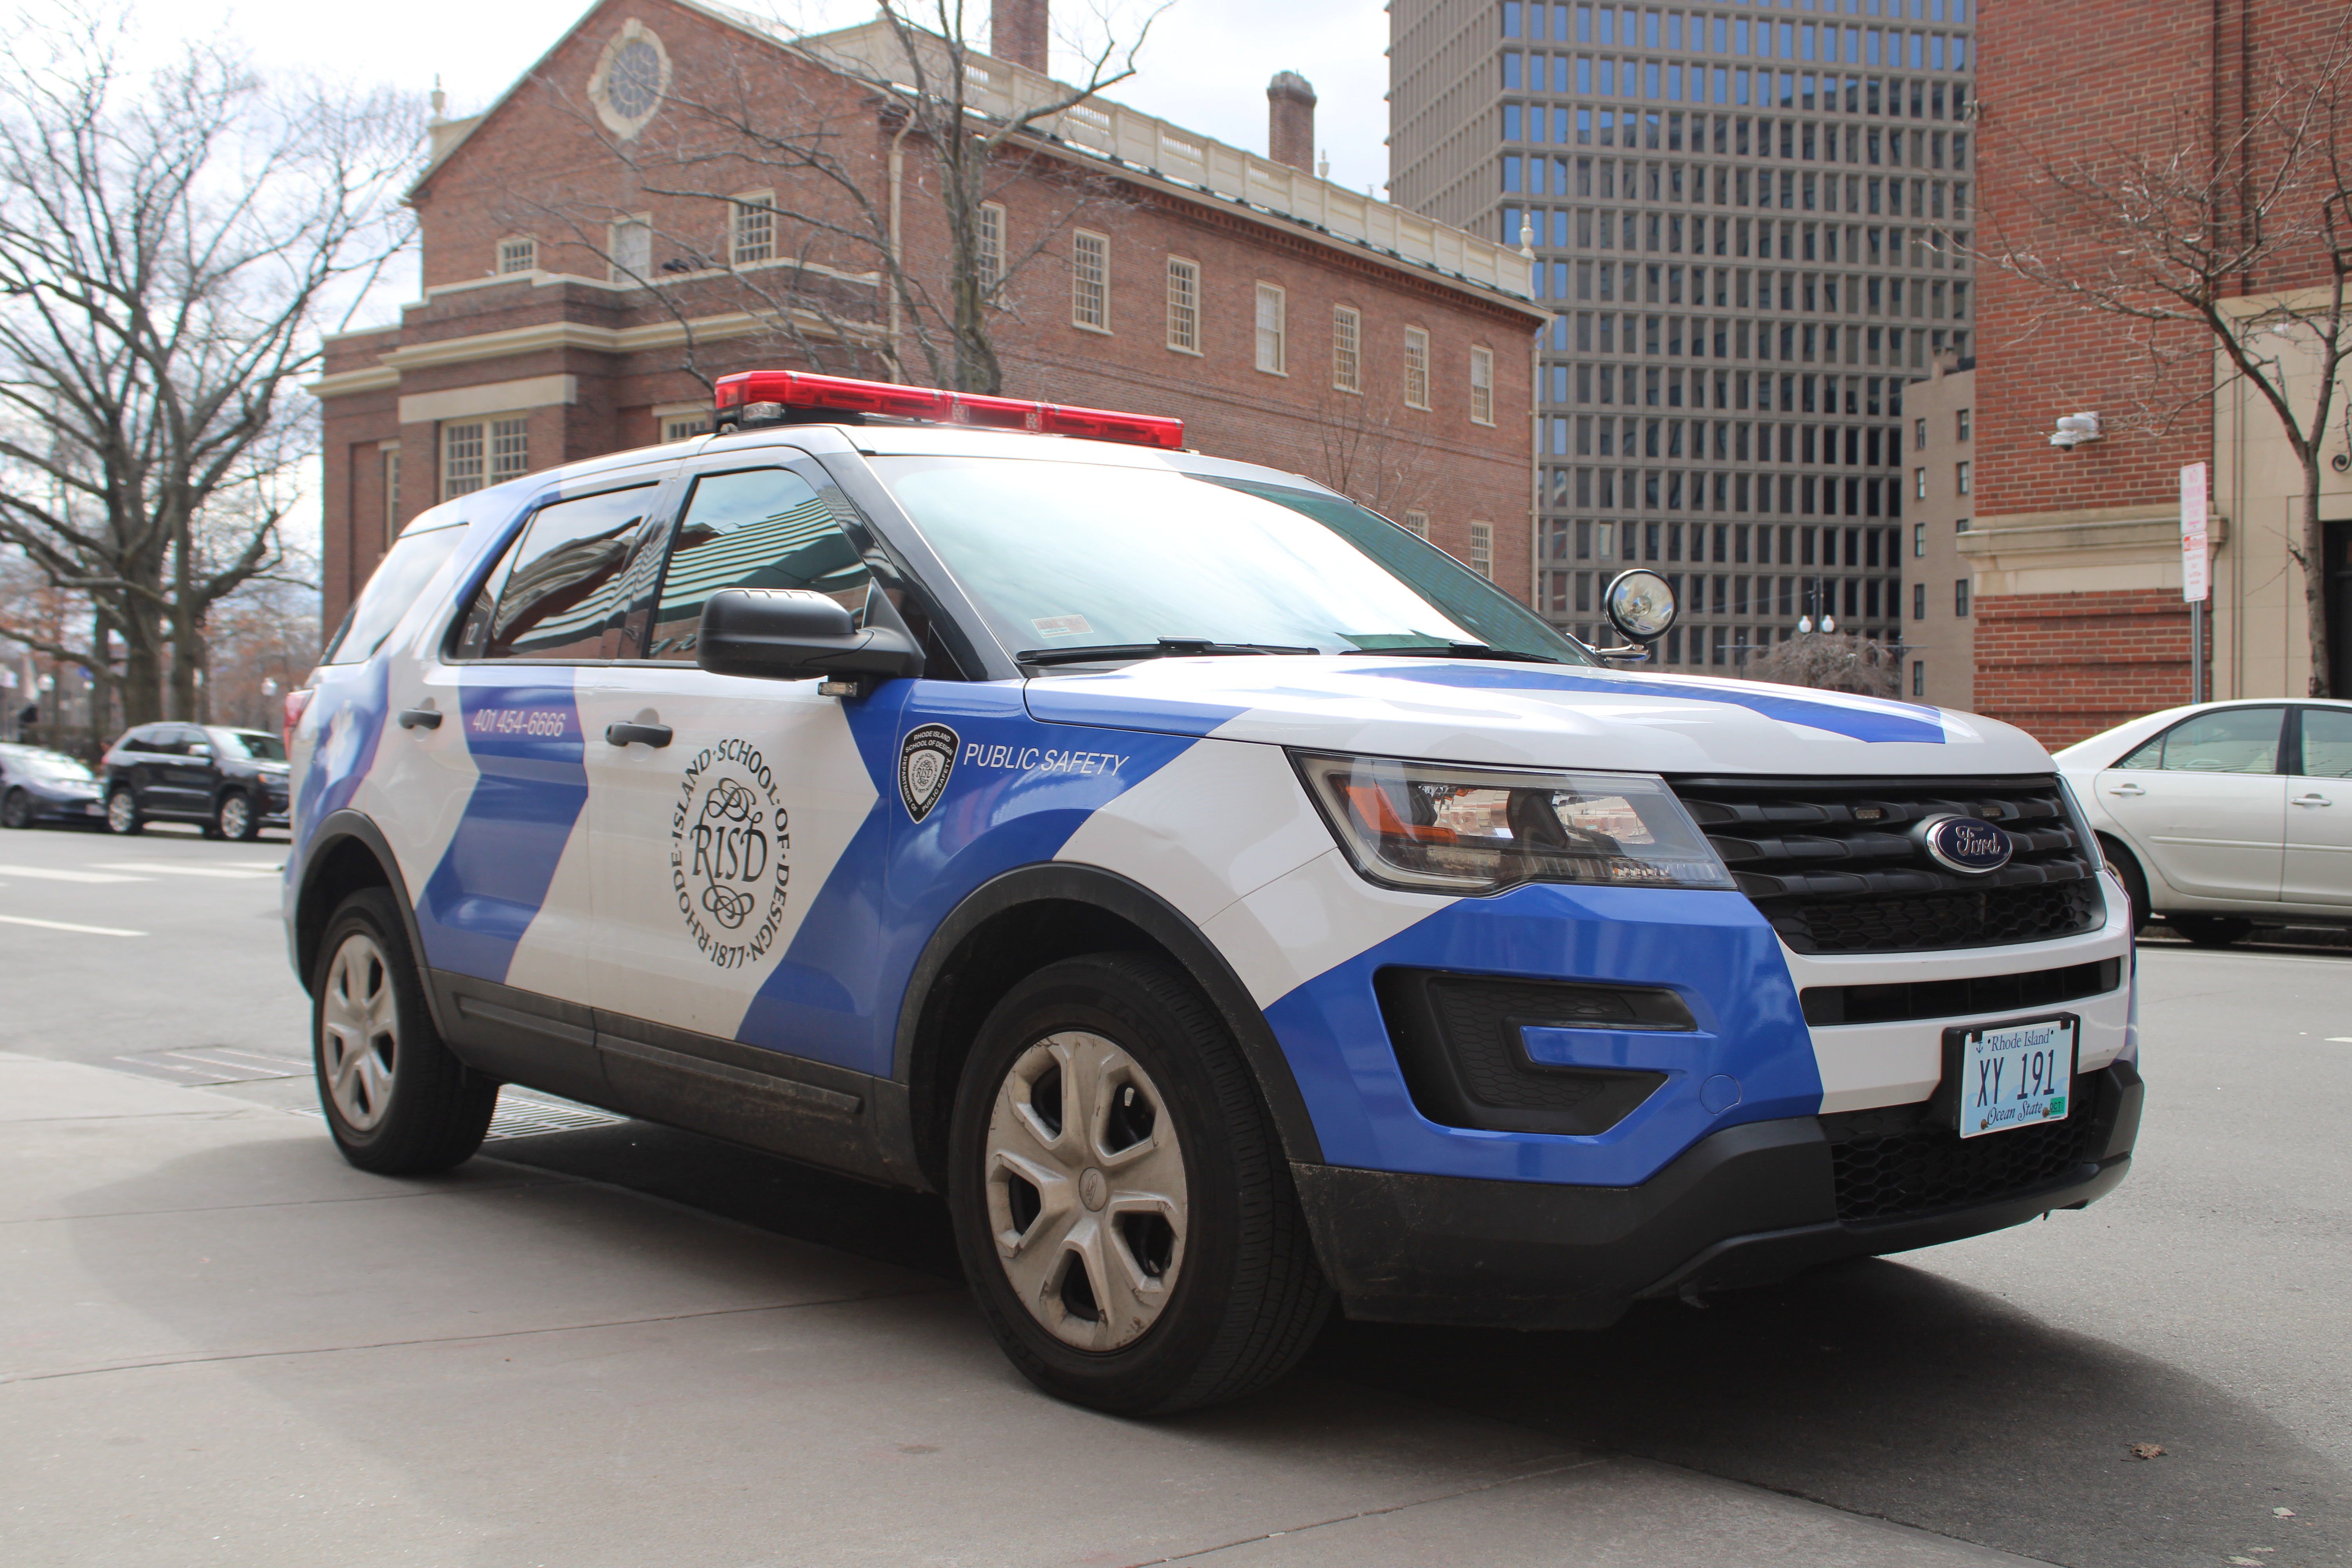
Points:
[(924, 763), (730, 848)]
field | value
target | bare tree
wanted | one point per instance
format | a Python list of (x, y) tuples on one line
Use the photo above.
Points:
[(1366, 456), (957, 138), (1830, 662), (2235, 244), (171, 244)]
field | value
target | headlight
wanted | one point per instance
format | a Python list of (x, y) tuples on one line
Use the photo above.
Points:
[(1436, 827)]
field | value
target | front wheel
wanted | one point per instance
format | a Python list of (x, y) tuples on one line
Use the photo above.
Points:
[(397, 1102), (122, 814), (235, 818), (2127, 869), (1120, 1198), (16, 811)]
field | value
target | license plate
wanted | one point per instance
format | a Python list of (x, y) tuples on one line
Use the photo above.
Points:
[(2013, 1075)]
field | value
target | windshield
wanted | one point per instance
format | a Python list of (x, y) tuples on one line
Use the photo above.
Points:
[(42, 765), (253, 744), (1066, 556)]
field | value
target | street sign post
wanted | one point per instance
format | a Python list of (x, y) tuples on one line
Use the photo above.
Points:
[(2196, 567)]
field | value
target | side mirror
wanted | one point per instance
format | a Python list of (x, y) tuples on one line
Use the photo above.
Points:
[(791, 634), (201, 752), (1641, 607)]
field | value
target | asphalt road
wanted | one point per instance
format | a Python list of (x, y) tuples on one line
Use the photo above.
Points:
[(1990, 1392)]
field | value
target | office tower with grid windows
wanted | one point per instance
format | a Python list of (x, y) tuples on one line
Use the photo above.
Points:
[(1751, 223)]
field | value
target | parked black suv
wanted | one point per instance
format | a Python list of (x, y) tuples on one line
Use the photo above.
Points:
[(233, 782)]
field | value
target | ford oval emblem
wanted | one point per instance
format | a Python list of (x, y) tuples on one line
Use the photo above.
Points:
[(1966, 845)]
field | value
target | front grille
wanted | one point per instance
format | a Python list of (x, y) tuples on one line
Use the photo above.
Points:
[(1959, 998), (1896, 1163), (1834, 865)]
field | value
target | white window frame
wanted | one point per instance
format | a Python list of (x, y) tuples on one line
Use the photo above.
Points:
[(1482, 386), (516, 253), (1348, 350), (1416, 367), (464, 456), (388, 453), (1417, 523), (1270, 329), (1919, 484), (1481, 550), (1963, 480), (1090, 280), (751, 227), (685, 426), (1184, 305), (988, 249), (619, 263)]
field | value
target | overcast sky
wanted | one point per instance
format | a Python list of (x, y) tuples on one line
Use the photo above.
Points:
[(1204, 64)]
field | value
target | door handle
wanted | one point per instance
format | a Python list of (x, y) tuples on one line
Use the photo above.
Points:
[(654, 735), (420, 719), (2310, 800), (2127, 789)]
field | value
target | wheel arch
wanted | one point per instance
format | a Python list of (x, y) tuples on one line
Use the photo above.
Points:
[(1015, 925), (2116, 848), (348, 853)]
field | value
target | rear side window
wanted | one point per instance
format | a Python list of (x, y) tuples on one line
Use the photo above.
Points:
[(761, 527), (2231, 741), (564, 583), (399, 578), (2327, 742)]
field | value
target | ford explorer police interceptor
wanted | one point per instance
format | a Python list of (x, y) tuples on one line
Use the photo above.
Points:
[(1231, 903)]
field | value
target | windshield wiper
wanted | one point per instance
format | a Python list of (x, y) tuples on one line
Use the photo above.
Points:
[(1454, 651), (1166, 648)]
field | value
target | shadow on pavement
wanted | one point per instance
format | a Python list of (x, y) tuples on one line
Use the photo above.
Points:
[(1872, 1386)]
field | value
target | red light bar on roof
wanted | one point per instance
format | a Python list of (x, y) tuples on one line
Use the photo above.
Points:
[(765, 396)]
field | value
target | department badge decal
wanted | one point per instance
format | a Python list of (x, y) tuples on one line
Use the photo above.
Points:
[(925, 761)]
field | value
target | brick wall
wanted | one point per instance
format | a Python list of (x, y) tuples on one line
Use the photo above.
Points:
[(2064, 666)]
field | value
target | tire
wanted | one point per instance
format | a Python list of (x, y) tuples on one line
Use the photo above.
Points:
[(235, 819), (122, 813), (2211, 931), (2126, 868), (397, 1102), (1205, 1257), (16, 811)]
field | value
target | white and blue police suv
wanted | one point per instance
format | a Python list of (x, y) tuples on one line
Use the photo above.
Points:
[(1231, 903)]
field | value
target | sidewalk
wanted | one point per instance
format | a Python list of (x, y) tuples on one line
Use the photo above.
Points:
[(220, 1344)]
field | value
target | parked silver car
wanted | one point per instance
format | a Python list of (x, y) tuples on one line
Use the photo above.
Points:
[(2223, 816)]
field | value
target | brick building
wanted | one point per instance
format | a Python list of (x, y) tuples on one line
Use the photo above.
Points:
[(2076, 553), (638, 214)]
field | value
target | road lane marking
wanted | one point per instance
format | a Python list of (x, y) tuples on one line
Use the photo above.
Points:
[(168, 868), (67, 925), (50, 874)]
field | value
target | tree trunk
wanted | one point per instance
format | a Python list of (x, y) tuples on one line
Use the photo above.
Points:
[(2314, 574)]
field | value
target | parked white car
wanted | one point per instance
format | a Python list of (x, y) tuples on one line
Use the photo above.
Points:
[(2223, 816)]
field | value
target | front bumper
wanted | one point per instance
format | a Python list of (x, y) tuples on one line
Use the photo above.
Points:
[(1751, 1205)]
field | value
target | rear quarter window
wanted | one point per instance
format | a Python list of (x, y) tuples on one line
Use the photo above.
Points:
[(399, 578)]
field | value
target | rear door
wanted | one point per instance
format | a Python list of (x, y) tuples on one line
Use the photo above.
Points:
[(2319, 810), (736, 848), (2206, 802)]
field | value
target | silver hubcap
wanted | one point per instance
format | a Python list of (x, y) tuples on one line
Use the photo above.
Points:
[(232, 817), (359, 1032), (120, 812), (1086, 1191)]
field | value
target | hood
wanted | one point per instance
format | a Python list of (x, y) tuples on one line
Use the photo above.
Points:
[(1537, 715)]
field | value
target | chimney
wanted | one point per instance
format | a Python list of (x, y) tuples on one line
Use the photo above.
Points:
[(1017, 33), (1290, 121)]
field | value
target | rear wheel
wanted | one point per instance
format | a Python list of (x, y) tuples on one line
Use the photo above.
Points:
[(397, 1102), (123, 813), (1120, 1197), (16, 811), (2211, 931), (235, 817)]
